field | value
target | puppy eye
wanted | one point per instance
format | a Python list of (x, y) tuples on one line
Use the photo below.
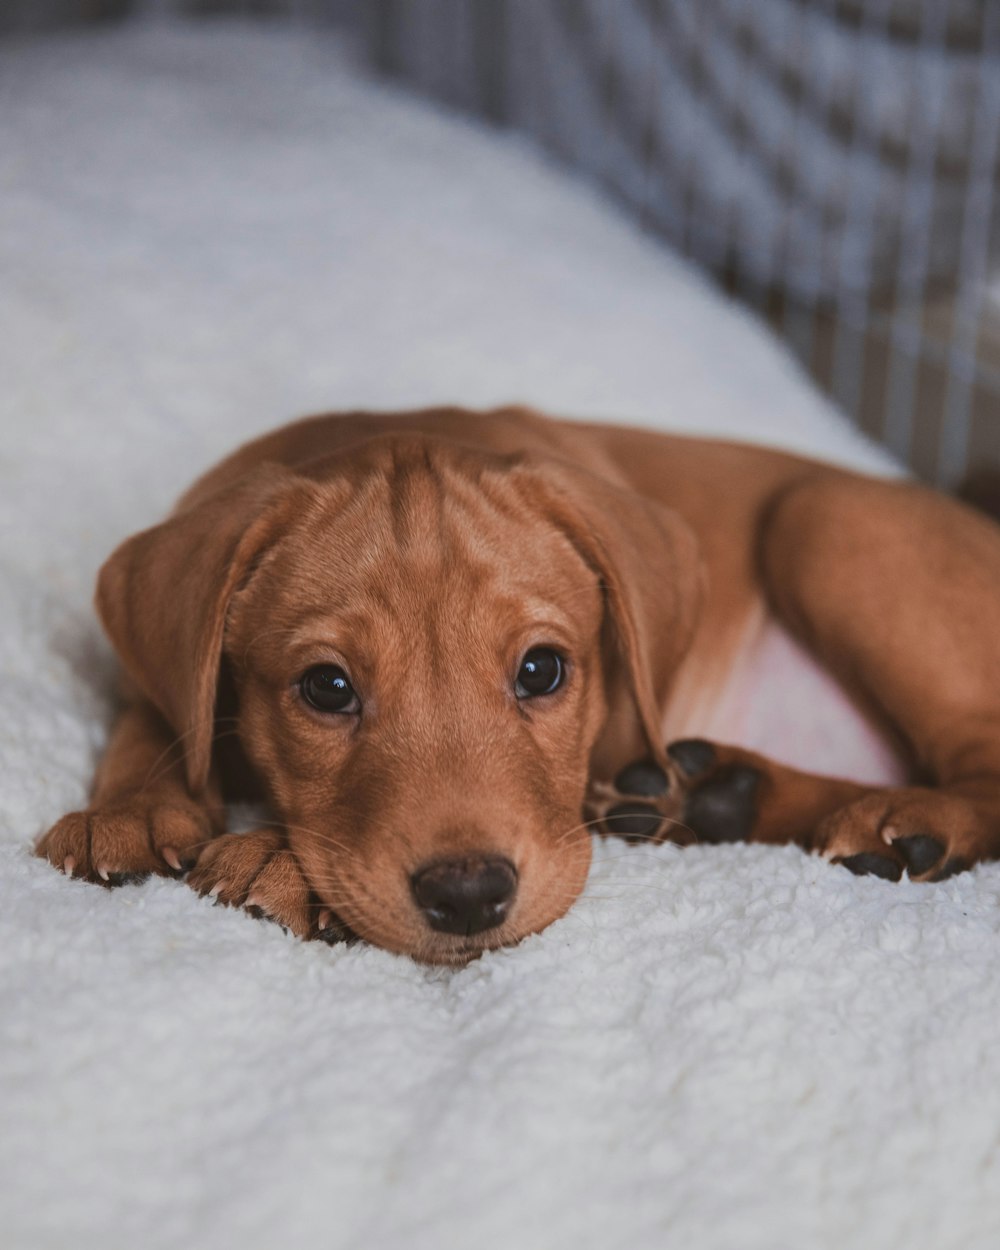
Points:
[(542, 671), (326, 688)]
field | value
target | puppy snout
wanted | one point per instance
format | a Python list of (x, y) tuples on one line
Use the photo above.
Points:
[(467, 895)]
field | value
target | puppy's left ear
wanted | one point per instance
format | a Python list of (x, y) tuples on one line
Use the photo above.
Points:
[(650, 569)]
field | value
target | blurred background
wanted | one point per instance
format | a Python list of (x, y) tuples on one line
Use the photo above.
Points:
[(831, 163)]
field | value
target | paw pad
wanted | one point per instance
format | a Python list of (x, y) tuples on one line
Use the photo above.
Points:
[(331, 929), (114, 879), (633, 821), (692, 755), (643, 777), (920, 853), (950, 868), (722, 808), (869, 865)]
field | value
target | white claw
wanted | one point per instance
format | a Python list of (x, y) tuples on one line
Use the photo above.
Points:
[(102, 872), (69, 863), (255, 901), (217, 889), (170, 855), (323, 920)]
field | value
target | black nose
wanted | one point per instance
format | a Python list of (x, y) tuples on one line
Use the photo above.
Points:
[(465, 895)]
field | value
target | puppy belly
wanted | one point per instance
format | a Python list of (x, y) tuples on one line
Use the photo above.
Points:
[(775, 699)]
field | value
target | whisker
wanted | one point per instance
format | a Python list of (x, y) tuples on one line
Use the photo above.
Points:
[(668, 820), (573, 829), (327, 839), (153, 775)]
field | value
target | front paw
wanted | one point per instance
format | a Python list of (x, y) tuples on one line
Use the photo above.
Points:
[(257, 871), (127, 842)]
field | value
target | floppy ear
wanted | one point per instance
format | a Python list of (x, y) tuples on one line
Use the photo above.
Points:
[(650, 570), (163, 594)]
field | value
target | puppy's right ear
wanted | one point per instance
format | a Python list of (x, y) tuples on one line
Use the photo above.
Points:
[(163, 596)]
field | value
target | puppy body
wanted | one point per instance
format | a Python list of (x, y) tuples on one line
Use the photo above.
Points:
[(680, 585)]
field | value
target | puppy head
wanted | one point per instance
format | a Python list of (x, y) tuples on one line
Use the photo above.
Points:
[(425, 641)]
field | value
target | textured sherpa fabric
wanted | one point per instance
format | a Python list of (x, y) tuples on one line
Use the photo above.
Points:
[(203, 233)]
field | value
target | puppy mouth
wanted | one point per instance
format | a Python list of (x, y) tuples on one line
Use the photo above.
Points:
[(424, 945), (456, 952)]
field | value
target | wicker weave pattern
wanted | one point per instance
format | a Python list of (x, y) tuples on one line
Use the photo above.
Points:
[(834, 162)]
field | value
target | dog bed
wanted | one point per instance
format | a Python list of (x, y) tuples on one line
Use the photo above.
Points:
[(205, 231)]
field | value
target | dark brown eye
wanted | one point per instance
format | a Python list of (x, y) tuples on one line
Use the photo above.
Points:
[(541, 672), (326, 688)]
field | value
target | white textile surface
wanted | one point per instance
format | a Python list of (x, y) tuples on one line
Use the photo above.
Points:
[(204, 233)]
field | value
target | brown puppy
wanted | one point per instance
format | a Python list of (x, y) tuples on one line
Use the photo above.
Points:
[(434, 634)]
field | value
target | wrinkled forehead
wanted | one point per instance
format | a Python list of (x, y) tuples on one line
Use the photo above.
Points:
[(424, 542)]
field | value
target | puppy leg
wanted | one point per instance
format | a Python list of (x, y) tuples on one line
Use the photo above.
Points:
[(141, 818), (897, 590), (258, 871), (716, 793)]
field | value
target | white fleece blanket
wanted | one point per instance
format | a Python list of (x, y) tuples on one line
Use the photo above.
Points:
[(203, 233)]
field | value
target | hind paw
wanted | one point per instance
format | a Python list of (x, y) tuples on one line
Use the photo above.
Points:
[(930, 835), (708, 794)]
